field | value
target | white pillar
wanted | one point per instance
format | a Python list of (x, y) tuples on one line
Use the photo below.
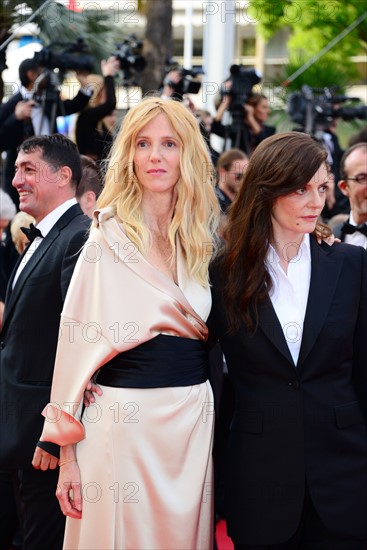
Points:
[(188, 39), (219, 21)]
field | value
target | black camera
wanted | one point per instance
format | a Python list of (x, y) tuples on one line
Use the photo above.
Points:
[(72, 57), (315, 109), (242, 81), (129, 54), (188, 83)]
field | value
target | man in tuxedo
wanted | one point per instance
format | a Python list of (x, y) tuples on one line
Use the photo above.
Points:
[(33, 111), (353, 184), (47, 172)]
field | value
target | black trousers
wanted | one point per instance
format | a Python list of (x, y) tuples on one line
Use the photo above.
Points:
[(310, 535), (8, 510), (41, 521)]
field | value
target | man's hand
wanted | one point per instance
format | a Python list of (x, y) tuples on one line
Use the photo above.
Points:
[(89, 392), (2, 306), (42, 460), (23, 109)]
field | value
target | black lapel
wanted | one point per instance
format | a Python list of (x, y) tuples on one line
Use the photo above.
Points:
[(271, 326), (325, 273)]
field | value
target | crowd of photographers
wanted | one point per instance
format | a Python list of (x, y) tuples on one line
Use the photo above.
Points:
[(240, 119)]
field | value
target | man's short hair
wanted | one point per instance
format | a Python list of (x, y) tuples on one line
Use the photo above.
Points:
[(228, 157), (346, 154), (25, 66), (57, 151), (91, 178)]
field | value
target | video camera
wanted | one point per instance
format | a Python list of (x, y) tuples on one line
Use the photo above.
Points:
[(189, 82), (129, 54), (242, 79), (73, 57), (315, 109)]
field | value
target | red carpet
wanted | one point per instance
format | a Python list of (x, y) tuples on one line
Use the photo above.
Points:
[(223, 542)]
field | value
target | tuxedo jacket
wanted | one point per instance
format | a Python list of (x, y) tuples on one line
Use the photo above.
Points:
[(338, 230), (30, 334), (305, 423)]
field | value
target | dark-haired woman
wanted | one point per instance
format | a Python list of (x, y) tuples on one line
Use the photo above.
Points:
[(291, 316)]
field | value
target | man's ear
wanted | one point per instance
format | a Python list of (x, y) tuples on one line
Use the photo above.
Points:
[(343, 186), (65, 176), (91, 198)]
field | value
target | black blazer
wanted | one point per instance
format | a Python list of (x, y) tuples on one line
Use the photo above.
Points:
[(305, 423), (93, 141), (29, 337)]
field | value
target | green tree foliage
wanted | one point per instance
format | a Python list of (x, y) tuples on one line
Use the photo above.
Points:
[(314, 24)]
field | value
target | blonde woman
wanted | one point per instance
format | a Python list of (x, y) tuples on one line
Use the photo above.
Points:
[(20, 239), (135, 470)]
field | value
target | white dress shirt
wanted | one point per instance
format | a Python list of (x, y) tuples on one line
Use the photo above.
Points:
[(45, 226), (40, 122), (356, 238), (290, 293)]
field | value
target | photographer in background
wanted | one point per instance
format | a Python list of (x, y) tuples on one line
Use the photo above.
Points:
[(179, 81), (25, 116), (330, 141), (93, 137), (317, 111), (257, 111), (247, 112)]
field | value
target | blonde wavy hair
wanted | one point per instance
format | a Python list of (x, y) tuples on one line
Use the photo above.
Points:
[(196, 213)]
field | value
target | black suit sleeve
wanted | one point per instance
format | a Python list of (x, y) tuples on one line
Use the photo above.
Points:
[(359, 344), (70, 106), (11, 129), (49, 447)]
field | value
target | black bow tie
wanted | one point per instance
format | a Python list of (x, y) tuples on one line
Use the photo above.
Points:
[(349, 229), (31, 232)]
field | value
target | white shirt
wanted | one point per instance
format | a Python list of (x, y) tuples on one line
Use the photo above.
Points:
[(40, 122), (45, 226), (356, 238), (290, 293)]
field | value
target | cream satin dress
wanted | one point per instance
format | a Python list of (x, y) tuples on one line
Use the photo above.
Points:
[(144, 454)]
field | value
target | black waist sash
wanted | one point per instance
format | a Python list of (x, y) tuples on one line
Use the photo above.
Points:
[(164, 361)]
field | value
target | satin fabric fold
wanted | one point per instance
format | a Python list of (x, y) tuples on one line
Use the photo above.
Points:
[(145, 455), (98, 322)]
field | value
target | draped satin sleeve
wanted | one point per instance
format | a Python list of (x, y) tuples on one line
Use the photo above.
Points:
[(116, 301)]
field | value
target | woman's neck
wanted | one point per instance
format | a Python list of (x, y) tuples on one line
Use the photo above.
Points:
[(287, 247), (158, 212)]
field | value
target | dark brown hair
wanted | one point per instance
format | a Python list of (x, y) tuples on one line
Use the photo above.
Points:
[(254, 99), (91, 178), (280, 165)]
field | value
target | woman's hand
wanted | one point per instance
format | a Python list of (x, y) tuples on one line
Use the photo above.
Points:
[(68, 490), (89, 392), (110, 66), (250, 119), (323, 233)]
